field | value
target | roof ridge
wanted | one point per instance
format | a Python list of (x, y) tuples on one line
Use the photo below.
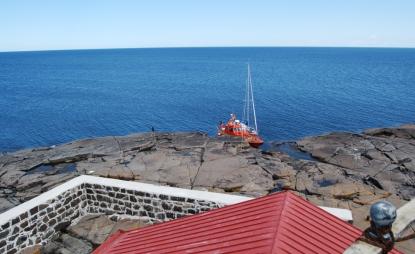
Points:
[(281, 212), (282, 222)]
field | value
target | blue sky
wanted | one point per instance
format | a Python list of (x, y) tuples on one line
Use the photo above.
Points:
[(75, 24)]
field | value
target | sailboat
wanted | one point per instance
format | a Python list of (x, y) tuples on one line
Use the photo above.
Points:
[(243, 129)]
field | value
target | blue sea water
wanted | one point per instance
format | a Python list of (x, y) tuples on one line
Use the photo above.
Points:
[(52, 97)]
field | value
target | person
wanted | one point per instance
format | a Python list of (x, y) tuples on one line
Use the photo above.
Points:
[(233, 117)]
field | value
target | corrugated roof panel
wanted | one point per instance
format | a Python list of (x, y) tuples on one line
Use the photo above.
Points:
[(305, 225), (277, 223)]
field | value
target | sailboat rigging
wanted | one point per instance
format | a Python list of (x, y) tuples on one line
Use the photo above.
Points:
[(235, 127)]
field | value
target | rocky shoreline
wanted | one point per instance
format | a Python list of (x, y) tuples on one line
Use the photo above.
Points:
[(348, 170)]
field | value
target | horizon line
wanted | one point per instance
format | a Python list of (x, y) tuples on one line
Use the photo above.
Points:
[(188, 47)]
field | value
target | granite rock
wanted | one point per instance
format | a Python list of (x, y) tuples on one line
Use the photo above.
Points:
[(381, 157), (352, 170), (67, 244)]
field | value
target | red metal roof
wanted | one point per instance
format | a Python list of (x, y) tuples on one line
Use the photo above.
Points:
[(278, 223)]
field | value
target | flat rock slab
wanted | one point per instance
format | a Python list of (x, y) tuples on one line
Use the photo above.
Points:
[(352, 170), (67, 244), (187, 160), (382, 157), (97, 228), (7, 203)]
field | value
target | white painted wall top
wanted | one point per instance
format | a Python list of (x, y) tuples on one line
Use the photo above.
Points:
[(225, 199), (405, 216), (343, 214)]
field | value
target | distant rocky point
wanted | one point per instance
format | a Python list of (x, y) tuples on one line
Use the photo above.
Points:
[(351, 170)]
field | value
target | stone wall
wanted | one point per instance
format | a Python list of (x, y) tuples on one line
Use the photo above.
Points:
[(41, 222), (38, 220), (152, 206)]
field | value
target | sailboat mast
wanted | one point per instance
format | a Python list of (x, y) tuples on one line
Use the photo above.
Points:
[(252, 98), (247, 99), (245, 117)]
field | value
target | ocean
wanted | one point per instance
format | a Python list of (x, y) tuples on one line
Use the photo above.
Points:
[(52, 97)]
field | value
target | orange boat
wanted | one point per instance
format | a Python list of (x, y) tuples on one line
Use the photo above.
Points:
[(235, 127)]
